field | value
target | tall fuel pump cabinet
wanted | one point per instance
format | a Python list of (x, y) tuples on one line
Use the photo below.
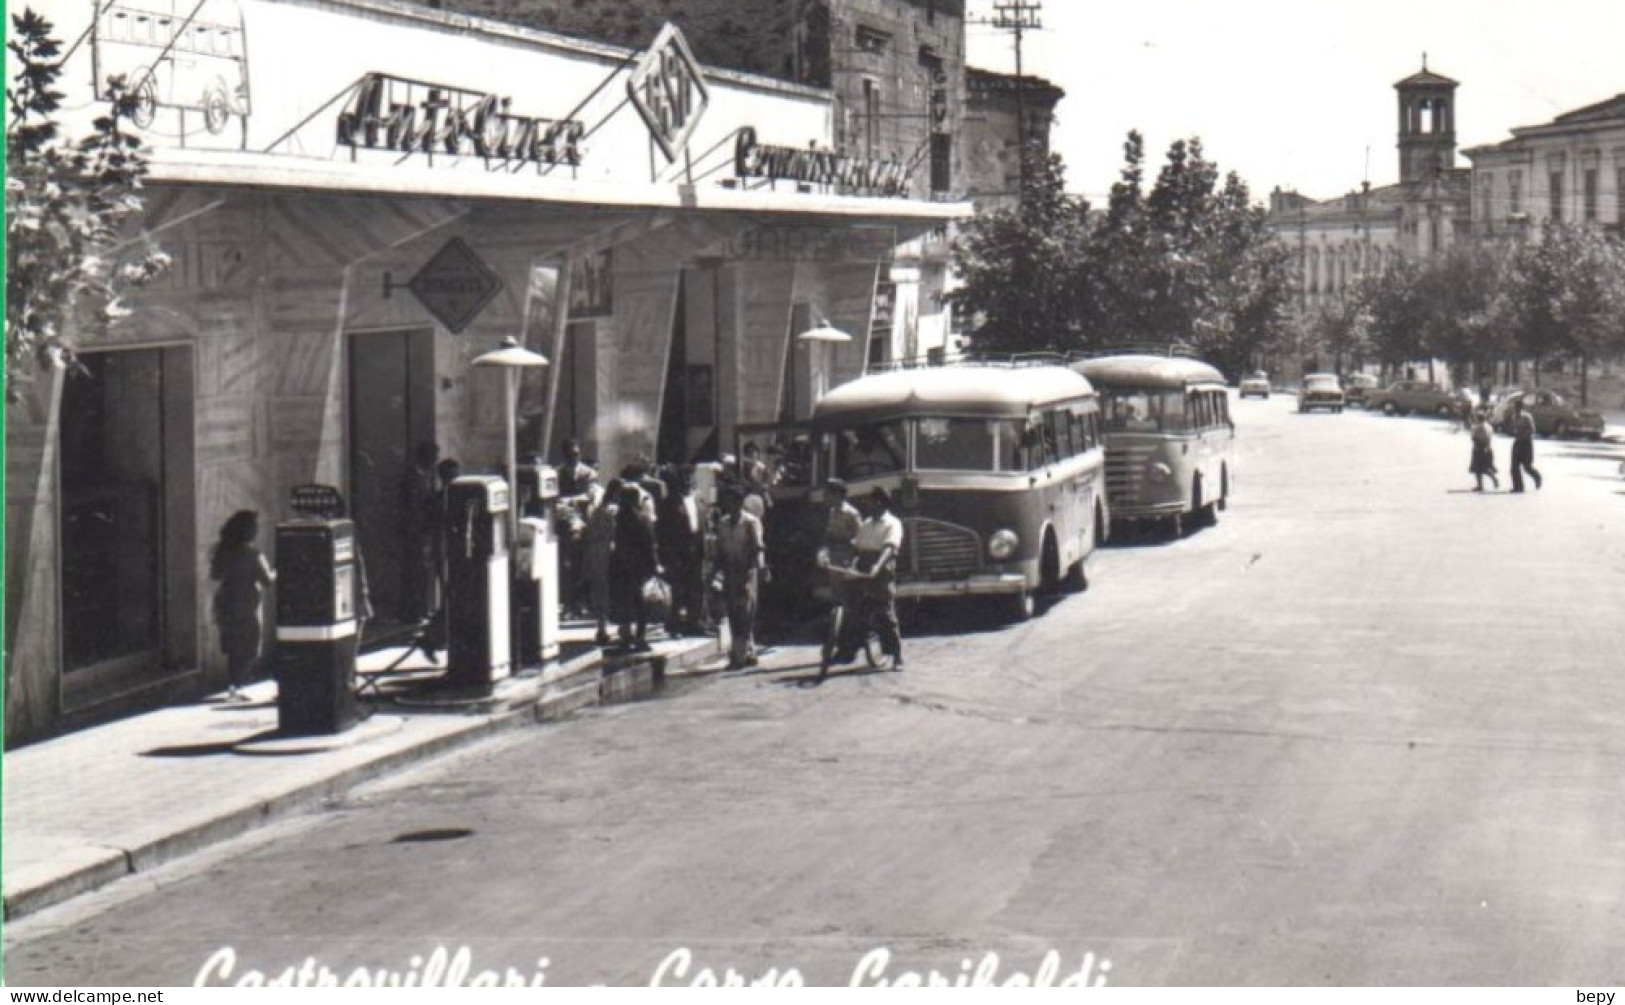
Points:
[(316, 627), (477, 572), (537, 589)]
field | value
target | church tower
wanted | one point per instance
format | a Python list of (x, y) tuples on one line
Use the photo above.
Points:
[(1427, 125)]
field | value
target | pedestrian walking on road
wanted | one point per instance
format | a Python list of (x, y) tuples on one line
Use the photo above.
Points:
[(878, 543), (1483, 462), (243, 575), (1523, 446), (741, 559)]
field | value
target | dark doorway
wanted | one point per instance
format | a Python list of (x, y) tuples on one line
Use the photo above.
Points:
[(672, 446), (128, 555), (391, 411)]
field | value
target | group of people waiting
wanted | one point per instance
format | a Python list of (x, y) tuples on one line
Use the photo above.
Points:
[(646, 536)]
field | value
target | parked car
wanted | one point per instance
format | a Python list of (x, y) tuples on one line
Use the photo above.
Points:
[(1403, 397), (1320, 390), (1258, 384), (1554, 415), (1356, 386)]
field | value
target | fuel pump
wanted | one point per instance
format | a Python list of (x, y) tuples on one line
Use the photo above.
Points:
[(316, 626), (477, 574), (536, 573)]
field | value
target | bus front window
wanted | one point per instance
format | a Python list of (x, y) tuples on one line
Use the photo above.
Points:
[(1133, 411), (953, 445), (866, 451)]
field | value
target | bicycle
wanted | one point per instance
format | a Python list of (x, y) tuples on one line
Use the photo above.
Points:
[(836, 631)]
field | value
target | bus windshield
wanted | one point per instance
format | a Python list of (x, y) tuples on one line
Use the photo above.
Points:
[(954, 444), (879, 448), (1129, 410)]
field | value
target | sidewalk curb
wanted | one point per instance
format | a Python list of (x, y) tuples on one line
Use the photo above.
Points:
[(596, 682)]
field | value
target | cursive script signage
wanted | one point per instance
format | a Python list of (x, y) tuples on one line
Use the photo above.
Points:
[(817, 167), (411, 116), (668, 90)]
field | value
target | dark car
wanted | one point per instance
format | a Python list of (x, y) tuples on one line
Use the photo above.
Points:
[(1554, 415), (1406, 396)]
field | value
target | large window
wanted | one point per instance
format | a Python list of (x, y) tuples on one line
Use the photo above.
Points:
[(1556, 193), (954, 444), (1590, 195), (866, 451), (1148, 411)]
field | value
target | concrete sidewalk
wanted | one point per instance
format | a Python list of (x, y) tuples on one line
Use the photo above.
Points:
[(88, 808)]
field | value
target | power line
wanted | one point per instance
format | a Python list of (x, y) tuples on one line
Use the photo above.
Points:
[(1018, 17)]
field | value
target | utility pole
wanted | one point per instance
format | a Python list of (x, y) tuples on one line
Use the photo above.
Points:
[(1019, 17)]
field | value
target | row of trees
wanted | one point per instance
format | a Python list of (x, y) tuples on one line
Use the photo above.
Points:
[(1558, 297), (1188, 261)]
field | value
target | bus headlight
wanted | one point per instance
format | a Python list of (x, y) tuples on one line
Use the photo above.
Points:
[(1003, 544), (1159, 472)]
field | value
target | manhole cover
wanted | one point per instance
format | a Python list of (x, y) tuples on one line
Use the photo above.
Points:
[(436, 834)]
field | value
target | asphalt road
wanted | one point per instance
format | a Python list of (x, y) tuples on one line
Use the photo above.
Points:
[(1370, 729)]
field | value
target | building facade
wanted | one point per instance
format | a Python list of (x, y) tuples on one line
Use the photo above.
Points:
[(1001, 111), (1337, 241), (896, 73), (360, 197), (1571, 169)]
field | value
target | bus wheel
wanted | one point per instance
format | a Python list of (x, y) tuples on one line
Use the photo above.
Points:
[(1076, 580), (1049, 566), (1023, 606)]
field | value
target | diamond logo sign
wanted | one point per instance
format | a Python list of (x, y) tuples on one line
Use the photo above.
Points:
[(455, 285), (668, 90)]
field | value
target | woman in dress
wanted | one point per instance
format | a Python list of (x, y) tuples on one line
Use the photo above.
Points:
[(243, 575), (1483, 462), (634, 561)]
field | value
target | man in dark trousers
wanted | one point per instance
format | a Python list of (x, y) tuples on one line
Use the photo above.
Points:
[(1523, 446)]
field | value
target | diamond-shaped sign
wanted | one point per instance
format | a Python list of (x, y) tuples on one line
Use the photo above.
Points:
[(455, 285), (668, 90)]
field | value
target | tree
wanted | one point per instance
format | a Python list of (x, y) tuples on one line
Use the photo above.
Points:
[(1190, 261), (1339, 330), (1022, 270), (1564, 296), (68, 205)]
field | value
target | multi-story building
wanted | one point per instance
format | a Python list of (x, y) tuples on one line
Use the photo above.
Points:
[(1338, 240), (361, 199), (1001, 112), (896, 69), (1570, 169)]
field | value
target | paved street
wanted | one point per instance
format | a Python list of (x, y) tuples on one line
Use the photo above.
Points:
[(1370, 729)]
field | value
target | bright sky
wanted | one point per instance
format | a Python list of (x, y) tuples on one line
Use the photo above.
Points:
[(1292, 98)]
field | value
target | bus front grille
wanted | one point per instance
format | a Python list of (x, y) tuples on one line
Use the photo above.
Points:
[(939, 550), (1125, 473)]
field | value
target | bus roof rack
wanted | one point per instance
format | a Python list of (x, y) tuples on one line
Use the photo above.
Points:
[(1172, 350), (1005, 360)]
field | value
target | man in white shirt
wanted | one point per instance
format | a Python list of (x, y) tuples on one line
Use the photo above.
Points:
[(880, 539)]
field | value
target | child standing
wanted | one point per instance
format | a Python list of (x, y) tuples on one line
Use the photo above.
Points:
[(243, 574)]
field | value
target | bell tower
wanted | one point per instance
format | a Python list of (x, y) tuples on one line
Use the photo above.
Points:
[(1427, 125)]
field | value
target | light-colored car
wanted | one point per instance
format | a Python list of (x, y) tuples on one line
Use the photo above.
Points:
[(1403, 397), (1320, 390), (1554, 415), (1356, 386), (1256, 385)]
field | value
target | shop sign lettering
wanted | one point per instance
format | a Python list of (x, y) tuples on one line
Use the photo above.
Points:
[(817, 167), (668, 90), (409, 116)]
